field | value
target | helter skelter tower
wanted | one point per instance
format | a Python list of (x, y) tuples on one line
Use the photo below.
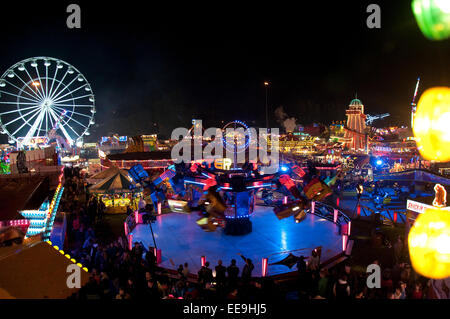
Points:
[(355, 138)]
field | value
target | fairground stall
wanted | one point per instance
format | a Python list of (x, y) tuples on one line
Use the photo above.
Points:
[(117, 191)]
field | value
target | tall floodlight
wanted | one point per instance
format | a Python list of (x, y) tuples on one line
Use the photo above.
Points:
[(33, 95), (413, 103)]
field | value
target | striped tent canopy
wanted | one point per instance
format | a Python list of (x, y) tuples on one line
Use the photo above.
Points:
[(117, 183), (112, 171)]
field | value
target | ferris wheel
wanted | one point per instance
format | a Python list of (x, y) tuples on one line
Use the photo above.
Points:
[(41, 94)]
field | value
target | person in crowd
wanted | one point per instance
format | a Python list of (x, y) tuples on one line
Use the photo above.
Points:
[(313, 262), (322, 285), (151, 291), (180, 271), (122, 294), (417, 293), (129, 210), (248, 268), (400, 291), (301, 265), (185, 270), (398, 249), (205, 274), (341, 289), (360, 294), (220, 273), (233, 273)]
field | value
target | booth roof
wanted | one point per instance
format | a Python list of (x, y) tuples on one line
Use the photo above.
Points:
[(18, 194), (141, 156), (35, 272), (108, 173), (114, 184)]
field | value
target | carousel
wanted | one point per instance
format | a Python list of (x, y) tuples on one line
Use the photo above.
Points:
[(116, 190)]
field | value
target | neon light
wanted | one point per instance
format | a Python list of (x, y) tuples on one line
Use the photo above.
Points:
[(193, 182), (130, 241), (203, 261), (264, 267), (263, 185), (344, 242)]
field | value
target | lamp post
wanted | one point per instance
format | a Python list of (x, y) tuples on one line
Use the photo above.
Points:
[(266, 84)]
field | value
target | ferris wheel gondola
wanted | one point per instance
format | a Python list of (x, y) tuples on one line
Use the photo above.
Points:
[(33, 94)]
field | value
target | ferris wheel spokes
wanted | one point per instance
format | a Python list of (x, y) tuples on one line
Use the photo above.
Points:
[(25, 123), (40, 81), (71, 92), (54, 97), (76, 98), (18, 96), (33, 81), (18, 118), (17, 110), (38, 96), (53, 81), (59, 84), (34, 127), (20, 90)]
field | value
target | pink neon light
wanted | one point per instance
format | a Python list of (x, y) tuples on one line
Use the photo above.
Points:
[(344, 242), (126, 228), (130, 241), (136, 215), (335, 215), (158, 256), (359, 210), (285, 200), (313, 206), (264, 267), (337, 202), (203, 261), (159, 208), (349, 227)]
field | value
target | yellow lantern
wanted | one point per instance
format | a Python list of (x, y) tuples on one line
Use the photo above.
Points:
[(429, 244), (431, 124)]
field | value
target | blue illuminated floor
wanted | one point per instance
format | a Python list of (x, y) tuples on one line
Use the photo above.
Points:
[(182, 240)]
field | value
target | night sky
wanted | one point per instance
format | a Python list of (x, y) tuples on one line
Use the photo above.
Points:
[(169, 64)]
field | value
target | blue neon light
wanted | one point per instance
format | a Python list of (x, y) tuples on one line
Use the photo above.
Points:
[(198, 183)]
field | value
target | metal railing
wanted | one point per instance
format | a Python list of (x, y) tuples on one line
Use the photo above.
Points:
[(393, 216), (329, 213)]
